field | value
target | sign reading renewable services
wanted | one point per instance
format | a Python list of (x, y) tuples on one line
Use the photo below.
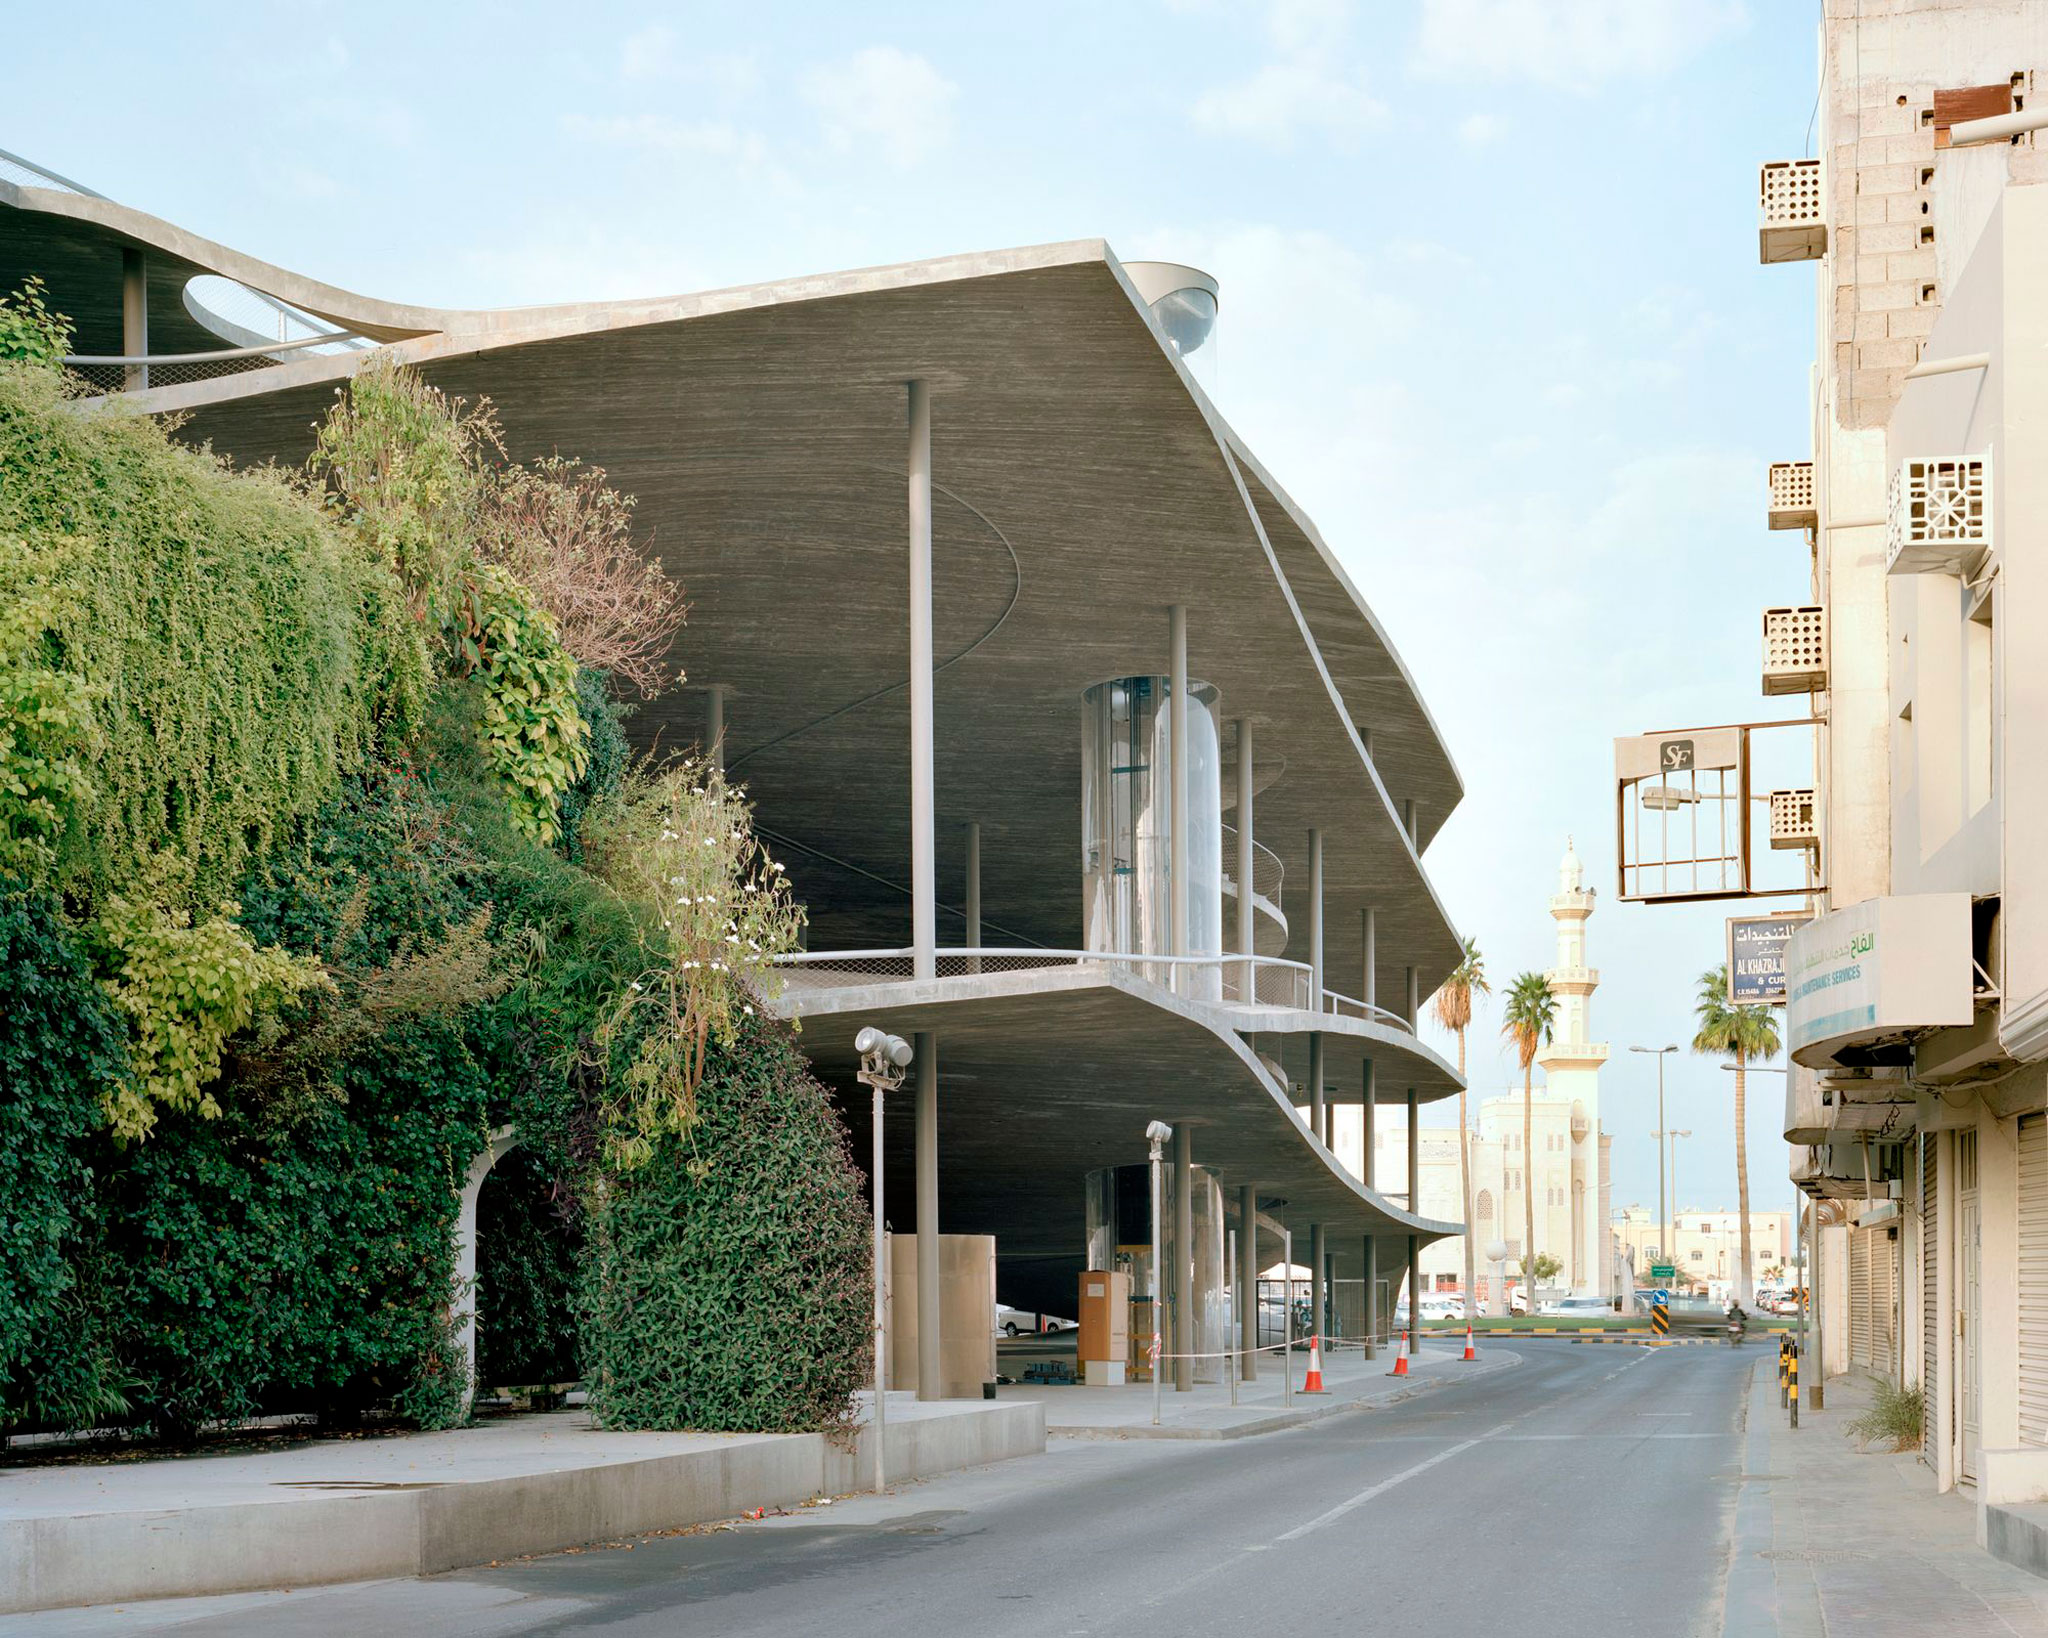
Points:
[(1756, 957)]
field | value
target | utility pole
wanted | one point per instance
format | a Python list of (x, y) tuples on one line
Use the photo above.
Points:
[(1663, 1224)]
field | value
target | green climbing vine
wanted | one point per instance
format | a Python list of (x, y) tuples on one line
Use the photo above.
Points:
[(532, 726)]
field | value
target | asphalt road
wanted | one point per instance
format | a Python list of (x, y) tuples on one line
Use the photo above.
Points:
[(1589, 1490)]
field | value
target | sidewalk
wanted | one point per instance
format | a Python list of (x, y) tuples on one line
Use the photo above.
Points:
[(324, 1510), (1205, 1412), (1828, 1539)]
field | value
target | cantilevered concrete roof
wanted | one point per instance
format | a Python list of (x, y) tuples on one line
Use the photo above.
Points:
[(1083, 484)]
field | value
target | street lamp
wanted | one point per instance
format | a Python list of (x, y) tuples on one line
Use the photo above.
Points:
[(1158, 1132), (883, 1059), (1663, 1226)]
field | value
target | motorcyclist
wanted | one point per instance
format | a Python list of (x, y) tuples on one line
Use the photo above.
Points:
[(1738, 1322)]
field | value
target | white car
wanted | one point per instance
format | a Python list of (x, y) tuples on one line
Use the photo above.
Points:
[(1019, 1322), (1581, 1307)]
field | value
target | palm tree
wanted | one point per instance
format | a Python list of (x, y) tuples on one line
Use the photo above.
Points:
[(1747, 1035), (1527, 1020), (1453, 1008)]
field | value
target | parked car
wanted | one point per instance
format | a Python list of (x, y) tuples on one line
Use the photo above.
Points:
[(1017, 1322), (1581, 1307)]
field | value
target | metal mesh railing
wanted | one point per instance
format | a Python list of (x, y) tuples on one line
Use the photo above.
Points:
[(167, 372), (1258, 981), (1268, 874), (26, 173)]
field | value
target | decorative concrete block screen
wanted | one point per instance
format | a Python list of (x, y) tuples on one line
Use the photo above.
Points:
[(1792, 504), (1792, 819), (1792, 224), (1939, 519), (1795, 650)]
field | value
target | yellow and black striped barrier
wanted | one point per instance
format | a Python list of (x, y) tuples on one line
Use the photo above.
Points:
[(1784, 1372), (1792, 1365), (1660, 1319)]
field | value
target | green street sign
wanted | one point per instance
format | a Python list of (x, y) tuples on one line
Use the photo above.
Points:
[(1663, 1271)]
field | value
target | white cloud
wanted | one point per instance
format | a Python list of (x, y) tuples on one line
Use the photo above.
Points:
[(1283, 99), (1568, 44), (1307, 87), (1477, 130), (657, 53), (659, 134), (883, 98)]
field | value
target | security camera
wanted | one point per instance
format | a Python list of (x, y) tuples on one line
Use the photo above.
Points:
[(869, 1041), (1158, 1131)]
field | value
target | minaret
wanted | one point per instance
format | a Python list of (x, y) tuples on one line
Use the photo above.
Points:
[(1571, 1072)]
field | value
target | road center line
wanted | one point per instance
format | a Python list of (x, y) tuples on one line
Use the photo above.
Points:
[(1379, 1489)]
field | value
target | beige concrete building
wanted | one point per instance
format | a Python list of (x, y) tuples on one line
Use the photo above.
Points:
[(1917, 1001), (1708, 1244)]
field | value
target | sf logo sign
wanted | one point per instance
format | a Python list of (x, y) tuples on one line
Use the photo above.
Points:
[(1675, 755)]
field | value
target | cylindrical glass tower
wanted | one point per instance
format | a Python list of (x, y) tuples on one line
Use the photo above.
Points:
[(1127, 826)]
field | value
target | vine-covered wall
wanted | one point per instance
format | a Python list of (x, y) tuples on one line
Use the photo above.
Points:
[(322, 857)]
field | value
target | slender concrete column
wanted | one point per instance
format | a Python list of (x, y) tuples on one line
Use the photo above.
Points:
[(1372, 1298), (1247, 937), (1370, 976), (928, 1330), (1177, 753), (1315, 920), (1248, 1278), (1409, 823), (1414, 1154), (1414, 998), (1183, 1256), (1371, 1091), (974, 894), (923, 883), (134, 318), (714, 726), (1318, 1288), (1318, 1104)]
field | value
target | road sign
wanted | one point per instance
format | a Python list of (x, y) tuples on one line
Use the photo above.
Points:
[(1756, 958), (1663, 1271), (1660, 1319)]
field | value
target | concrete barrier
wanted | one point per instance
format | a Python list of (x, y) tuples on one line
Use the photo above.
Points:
[(91, 1538)]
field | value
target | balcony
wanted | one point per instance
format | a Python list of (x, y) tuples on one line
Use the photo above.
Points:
[(1792, 820), (1792, 500), (1795, 650), (1938, 520), (1230, 980), (1792, 224)]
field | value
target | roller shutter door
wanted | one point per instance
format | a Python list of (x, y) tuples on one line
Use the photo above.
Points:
[(1859, 1297), (2033, 1215), (1930, 1264)]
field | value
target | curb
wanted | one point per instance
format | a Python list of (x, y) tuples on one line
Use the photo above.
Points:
[(1280, 1421)]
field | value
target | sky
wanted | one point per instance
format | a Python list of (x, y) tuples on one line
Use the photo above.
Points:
[(1491, 310)]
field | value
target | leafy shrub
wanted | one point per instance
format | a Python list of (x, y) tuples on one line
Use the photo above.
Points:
[(605, 769), (45, 715), (679, 846), (306, 1269), (729, 1287), (61, 1052), (532, 729), (29, 332), (240, 651), (1896, 1415)]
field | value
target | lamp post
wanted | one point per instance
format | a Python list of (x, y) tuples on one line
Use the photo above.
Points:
[(1663, 1226), (883, 1059), (1158, 1133)]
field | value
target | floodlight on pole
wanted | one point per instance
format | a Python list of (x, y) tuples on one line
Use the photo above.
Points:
[(883, 1059), (1157, 1134)]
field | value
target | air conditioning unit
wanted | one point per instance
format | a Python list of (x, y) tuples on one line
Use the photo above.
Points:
[(1792, 822), (1792, 221), (1939, 517), (1792, 504), (1795, 650)]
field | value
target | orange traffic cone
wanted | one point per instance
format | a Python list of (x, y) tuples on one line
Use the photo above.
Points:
[(1469, 1354), (1401, 1354), (1314, 1381)]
